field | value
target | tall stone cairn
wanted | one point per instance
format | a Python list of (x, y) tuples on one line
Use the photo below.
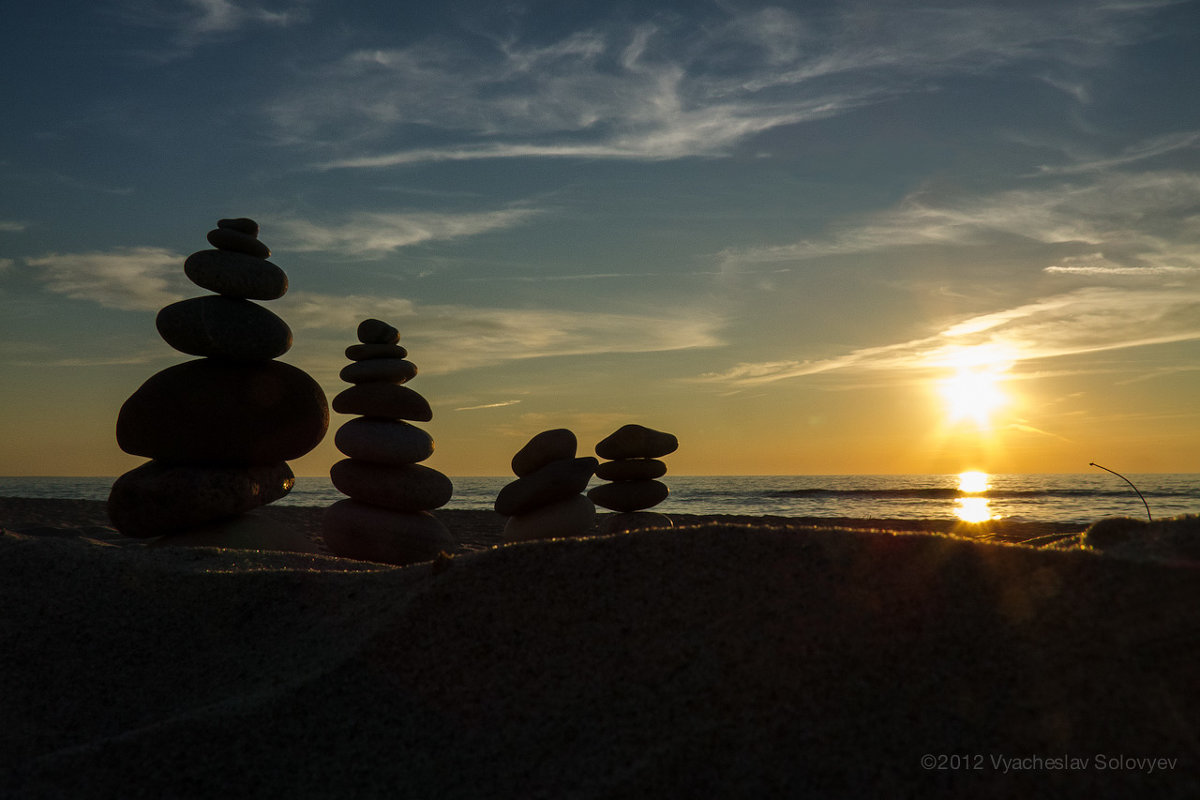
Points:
[(219, 429), (387, 517), (633, 470), (545, 501)]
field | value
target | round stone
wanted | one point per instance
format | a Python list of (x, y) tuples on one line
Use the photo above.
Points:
[(391, 370), (629, 495), (389, 400), (236, 274), (360, 352), (368, 533), (240, 224), (574, 516), (252, 531), (157, 498), (547, 446), (553, 482), (634, 521), (224, 412), (637, 441), (400, 487), (631, 469), (224, 327), (383, 441), (376, 331), (229, 239)]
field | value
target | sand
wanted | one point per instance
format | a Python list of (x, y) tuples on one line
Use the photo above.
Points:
[(717, 660)]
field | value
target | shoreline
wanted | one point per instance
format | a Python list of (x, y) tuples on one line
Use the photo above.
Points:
[(476, 530)]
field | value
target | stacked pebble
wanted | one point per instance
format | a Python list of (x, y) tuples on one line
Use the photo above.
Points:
[(387, 517), (634, 451), (546, 501), (219, 429)]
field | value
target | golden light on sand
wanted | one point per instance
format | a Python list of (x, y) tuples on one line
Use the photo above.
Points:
[(973, 392)]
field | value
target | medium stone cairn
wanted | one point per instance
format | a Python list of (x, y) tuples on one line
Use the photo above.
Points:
[(387, 517), (546, 500), (219, 429), (634, 451)]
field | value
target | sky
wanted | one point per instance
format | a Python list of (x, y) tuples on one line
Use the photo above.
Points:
[(807, 238)]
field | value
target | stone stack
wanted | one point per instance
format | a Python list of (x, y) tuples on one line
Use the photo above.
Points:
[(546, 500), (634, 451), (387, 517), (219, 429)]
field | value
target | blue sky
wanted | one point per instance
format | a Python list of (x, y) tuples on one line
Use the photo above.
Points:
[(782, 232)]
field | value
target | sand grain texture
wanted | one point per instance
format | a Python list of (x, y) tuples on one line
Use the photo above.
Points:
[(731, 661)]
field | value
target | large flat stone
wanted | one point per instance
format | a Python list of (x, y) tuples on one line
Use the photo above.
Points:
[(236, 274), (555, 481), (383, 441), (574, 516), (369, 533), (380, 399), (637, 441), (224, 412), (402, 487), (629, 495), (157, 498)]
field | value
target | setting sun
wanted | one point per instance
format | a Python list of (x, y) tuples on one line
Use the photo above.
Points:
[(973, 391)]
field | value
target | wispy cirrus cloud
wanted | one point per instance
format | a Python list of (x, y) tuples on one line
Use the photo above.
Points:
[(669, 87), (1137, 221), (12, 226), (129, 279), (1083, 321), (378, 233), (458, 337), (192, 23)]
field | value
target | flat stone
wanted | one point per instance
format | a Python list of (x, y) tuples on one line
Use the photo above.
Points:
[(634, 521), (376, 331), (369, 533), (574, 516), (240, 224), (360, 352), (383, 441), (224, 412), (236, 274), (555, 481), (391, 370), (637, 441), (157, 498), (400, 487), (252, 531), (224, 327), (629, 495), (631, 469), (238, 242), (389, 400), (547, 446)]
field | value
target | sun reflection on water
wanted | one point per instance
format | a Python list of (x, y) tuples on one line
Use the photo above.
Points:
[(973, 509)]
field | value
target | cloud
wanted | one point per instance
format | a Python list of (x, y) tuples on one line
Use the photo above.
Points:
[(458, 337), (489, 405), (668, 87), (193, 23), (12, 226), (1142, 220), (130, 279), (1086, 320), (1139, 151), (378, 233)]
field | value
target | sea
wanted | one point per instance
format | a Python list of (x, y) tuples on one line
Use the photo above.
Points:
[(974, 497)]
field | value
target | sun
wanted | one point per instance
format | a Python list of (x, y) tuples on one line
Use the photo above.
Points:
[(972, 393)]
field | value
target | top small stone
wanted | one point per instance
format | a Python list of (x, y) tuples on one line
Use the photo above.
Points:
[(241, 225), (374, 331), (636, 441), (547, 446), (238, 242)]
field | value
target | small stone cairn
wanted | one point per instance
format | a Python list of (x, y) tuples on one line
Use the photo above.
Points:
[(546, 500), (634, 451), (387, 517), (219, 429)]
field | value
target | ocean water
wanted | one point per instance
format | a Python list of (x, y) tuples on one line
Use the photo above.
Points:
[(1077, 498)]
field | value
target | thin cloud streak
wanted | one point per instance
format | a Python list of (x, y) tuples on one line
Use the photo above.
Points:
[(128, 279), (1083, 321), (375, 234)]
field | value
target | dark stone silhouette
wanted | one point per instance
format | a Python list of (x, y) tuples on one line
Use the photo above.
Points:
[(635, 451), (545, 500)]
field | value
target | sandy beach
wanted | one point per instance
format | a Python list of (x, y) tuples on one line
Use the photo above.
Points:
[(724, 658)]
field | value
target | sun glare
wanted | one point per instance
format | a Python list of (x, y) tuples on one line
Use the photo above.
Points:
[(973, 509), (973, 482), (973, 392)]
